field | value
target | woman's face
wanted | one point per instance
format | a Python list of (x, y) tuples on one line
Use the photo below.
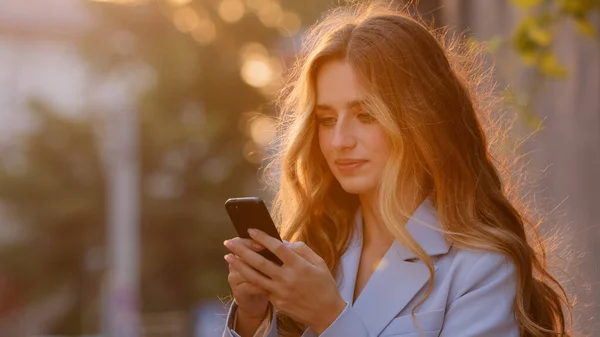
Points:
[(353, 143)]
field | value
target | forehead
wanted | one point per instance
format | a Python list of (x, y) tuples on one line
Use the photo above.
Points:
[(336, 85)]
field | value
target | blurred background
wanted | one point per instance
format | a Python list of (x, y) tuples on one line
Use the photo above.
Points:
[(126, 124)]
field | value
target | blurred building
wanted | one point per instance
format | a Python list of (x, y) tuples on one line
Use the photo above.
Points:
[(38, 59)]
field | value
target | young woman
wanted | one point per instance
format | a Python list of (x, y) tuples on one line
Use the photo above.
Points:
[(397, 218)]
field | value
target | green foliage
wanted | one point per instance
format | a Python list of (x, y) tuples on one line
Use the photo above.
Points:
[(189, 136), (526, 3), (534, 36)]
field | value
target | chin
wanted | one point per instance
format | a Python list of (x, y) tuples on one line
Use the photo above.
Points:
[(357, 187)]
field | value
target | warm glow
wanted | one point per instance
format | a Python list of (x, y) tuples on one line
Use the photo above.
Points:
[(205, 32), (256, 5), (271, 14), (262, 130), (231, 10), (252, 152), (179, 2), (123, 2), (290, 24), (257, 72), (186, 19), (256, 67), (253, 50)]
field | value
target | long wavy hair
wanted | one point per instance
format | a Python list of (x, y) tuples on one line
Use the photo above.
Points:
[(428, 92)]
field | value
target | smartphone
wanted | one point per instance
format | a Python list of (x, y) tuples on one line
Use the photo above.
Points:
[(251, 212)]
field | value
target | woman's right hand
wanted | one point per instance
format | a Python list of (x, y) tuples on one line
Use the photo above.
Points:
[(252, 301)]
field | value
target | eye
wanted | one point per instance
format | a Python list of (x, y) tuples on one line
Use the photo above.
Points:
[(365, 117), (326, 121)]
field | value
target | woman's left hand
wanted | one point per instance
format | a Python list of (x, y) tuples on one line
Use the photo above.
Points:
[(303, 287)]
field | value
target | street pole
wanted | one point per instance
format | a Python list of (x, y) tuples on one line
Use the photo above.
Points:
[(120, 133)]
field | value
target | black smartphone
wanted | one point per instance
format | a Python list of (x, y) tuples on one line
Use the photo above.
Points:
[(251, 212)]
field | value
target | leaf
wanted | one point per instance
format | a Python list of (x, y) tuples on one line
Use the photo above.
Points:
[(529, 58), (526, 3), (493, 45), (586, 28), (550, 66), (532, 120), (540, 35)]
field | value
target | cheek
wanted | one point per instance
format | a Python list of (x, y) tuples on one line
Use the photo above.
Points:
[(380, 145), (324, 144)]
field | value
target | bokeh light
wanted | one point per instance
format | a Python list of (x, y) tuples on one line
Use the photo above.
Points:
[(123, 2), (256, 5), (270, 14), (205, 32), (252, 153), (231, 10), (262, 130), (251, 49), (257, 72), (290, 24), (179, 2), (186, 19)]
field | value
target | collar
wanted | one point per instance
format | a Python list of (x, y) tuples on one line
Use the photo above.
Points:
[(424, 226)]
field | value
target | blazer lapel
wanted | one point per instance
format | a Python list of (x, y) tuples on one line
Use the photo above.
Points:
[(350, 260), (391, 286), (396, 281)]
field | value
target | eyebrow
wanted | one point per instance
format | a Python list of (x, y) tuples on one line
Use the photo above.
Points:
[(352, 104)]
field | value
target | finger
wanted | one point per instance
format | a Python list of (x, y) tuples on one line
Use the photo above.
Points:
[(250, 274), (255, 246), (308, 254), (280, 249), (253, 259), (237, 281)]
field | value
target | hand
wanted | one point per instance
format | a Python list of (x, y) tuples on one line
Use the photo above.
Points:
[(293, 287), (252, 301)]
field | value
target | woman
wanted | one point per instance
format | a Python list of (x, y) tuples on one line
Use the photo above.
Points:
[(398, 220)]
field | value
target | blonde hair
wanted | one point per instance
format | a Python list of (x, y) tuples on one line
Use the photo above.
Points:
[(427, 93)]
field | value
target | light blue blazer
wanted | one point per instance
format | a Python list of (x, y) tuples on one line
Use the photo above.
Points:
[(472, 295)]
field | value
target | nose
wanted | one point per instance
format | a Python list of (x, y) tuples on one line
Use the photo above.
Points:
[(343, 136)]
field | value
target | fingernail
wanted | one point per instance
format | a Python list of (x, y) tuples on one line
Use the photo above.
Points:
[(225, 243), (256, 246), (252, 232), (228, 258)]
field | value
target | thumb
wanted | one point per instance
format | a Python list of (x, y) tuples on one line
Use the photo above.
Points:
[(304, 251)]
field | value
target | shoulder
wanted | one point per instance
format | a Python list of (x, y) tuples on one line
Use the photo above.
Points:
[(468, 270)]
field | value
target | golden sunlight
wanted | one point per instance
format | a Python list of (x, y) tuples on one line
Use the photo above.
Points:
[(206, 32), (271, 14), (256, 68), (262, 130), (252, 49), (257, 72), (186, 19), (256, 5), (231, 10), (179, 2), (251, 152), (123, 2), (290, 24)]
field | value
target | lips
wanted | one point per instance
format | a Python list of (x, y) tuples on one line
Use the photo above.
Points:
[(342, 162), (349, 165)]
